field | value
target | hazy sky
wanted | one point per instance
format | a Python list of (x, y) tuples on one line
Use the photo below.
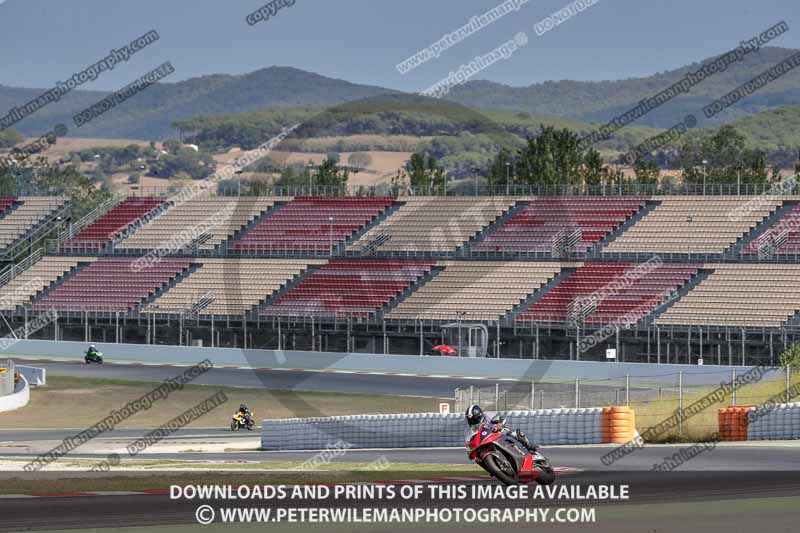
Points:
[(43, 41)]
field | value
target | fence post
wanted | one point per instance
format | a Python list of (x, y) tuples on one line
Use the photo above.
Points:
[(627, 389), (733, 384), (788, 382), (577, 393), (680, 403), (541, 399), (497, 396), (471, 396), (457, 396), (533, 396)]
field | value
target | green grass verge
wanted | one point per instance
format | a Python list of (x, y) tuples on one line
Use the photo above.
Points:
[(74, 402)]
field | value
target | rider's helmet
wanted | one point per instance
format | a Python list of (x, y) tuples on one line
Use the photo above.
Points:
[(474, 414), (242, 407), (92, 347)]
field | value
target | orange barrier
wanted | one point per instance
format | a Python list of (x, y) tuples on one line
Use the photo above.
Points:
[(733, 422), (619, 425)]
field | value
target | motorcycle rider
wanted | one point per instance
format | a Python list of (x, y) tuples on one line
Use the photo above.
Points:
[(475, 417), (245, 411), (92, 352)]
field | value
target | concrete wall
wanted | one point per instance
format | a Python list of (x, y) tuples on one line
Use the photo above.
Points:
[(19, 398), (450, 366)]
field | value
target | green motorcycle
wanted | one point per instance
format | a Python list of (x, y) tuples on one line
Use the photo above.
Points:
[(94, 357)]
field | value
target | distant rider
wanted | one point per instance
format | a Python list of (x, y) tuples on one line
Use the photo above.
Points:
[(92, 351), (475, 417), (245, 411)]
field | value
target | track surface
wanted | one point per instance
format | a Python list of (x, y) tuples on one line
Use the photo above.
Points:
[(725, 457), (652, 489)]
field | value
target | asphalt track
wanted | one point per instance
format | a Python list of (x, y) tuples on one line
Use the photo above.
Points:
[(395, 385), (704, 490)]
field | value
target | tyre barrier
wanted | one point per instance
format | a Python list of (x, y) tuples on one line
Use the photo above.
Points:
[(429, 430), (762, 422)]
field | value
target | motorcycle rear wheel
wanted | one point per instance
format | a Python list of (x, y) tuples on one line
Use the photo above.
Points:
[(499, 471)]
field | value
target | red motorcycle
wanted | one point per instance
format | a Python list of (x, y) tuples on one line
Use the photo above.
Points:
[(505, 458)]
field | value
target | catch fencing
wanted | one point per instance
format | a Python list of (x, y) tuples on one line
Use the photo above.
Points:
[(654, 398)]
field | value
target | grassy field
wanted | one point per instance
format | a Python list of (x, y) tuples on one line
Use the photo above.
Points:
[(701, 426), (80, 402)]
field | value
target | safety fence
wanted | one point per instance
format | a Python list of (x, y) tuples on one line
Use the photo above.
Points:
[(693, 399)]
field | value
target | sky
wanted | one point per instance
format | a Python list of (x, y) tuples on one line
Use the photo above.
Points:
[(362, 41)]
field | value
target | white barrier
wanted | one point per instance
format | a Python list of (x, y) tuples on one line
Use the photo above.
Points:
[(36, 376), (424, 430), (774, 422), (19, 398)]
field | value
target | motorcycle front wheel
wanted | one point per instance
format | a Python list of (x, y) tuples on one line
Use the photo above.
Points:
[(501, 469), (546, 475), (234, 425)]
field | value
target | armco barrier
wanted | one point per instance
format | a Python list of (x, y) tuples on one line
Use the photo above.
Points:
[(541, 369), (763, 422), (426, 430), (19, 398)]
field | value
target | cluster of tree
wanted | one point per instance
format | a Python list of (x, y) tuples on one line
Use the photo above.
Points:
[(10, 138), (328, 176), (118, 156), (721, 157), (553, 158), (423, 174), (40, 177), (180, 162)]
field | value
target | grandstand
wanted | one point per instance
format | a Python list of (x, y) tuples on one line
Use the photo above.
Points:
[(544, 222), (98, 234), (750, 295), (432, 224), (235, 214), (110, 284), (611, 292), (355, 288), (229, 286), (25, 217), (693, 225), (311, 225), (471, 290), (307, 272)]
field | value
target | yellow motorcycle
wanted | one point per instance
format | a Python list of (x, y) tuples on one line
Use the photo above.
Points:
[(240, 420)]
